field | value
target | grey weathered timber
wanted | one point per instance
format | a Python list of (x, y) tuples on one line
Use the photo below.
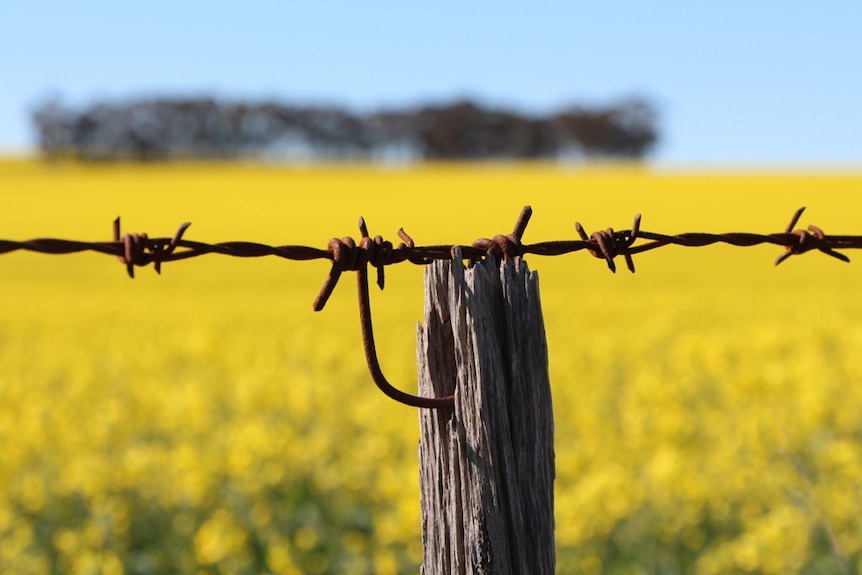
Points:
[(486, 465)]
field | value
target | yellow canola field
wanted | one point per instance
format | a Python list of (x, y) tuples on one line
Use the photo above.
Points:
[(707, 408)]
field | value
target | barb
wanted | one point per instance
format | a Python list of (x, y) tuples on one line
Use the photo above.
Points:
[(137, 250), (814, 238), (140, 251), (612, 245)]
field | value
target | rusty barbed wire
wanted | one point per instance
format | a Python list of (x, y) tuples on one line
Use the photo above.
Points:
[(139, 250)]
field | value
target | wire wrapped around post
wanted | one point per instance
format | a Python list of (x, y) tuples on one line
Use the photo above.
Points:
[(374, 364)]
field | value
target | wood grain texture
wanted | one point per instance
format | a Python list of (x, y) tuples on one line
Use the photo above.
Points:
[(487, 465)]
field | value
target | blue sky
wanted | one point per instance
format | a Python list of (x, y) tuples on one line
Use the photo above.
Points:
[(736, 83)]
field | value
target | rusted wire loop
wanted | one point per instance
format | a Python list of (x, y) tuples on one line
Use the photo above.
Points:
[(610, 244), (348, 256), (807, 240), (507, 246), (140, 250), (371, 355)]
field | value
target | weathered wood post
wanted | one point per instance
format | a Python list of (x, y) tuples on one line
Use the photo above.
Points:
[(486, 465)]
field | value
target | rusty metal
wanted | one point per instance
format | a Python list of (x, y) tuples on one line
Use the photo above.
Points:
[(347, 255), (371, 354), (613, 244), (503, 247), (139, 250), (813, 238)]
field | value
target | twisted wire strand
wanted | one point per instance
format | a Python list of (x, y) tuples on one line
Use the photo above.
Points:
[(139, 250)]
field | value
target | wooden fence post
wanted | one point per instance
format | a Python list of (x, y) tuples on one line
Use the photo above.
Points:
[(486, 466)]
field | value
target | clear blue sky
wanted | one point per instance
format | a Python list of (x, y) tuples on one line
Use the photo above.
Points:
[(754, 83)]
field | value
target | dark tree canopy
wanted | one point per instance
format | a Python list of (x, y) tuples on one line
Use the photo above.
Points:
[(205, 128)]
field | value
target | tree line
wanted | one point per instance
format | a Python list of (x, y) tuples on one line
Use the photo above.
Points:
[(206, 128)]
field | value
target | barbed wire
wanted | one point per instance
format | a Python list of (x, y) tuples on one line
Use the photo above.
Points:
[(346, 254)]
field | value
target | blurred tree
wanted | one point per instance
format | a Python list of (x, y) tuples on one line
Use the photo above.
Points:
[(203, 128), (625, 130)]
